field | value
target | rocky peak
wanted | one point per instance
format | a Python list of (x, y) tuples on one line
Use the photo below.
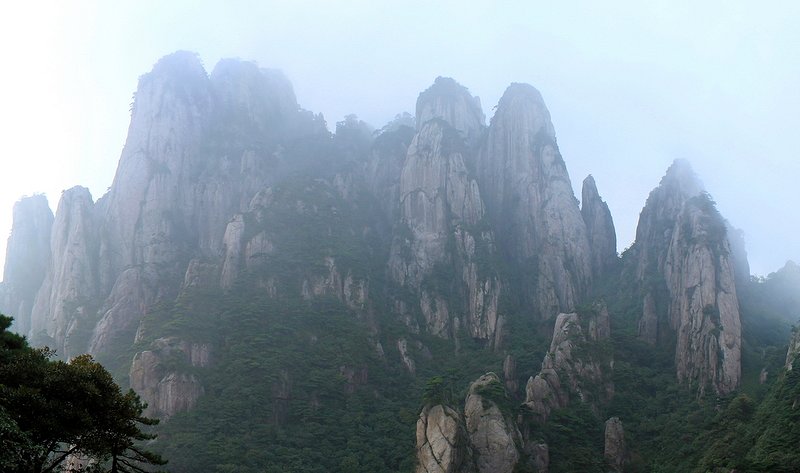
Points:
[(528, 194), (599, 228), (169, 117), (450, 101), (27, 258), (576, 367), (656, 220), (437, 243), (685, 264), (704, 308), (493, 434), (64, 310), (264, 99)]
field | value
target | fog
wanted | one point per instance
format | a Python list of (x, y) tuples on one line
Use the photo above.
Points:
[(630, 86)]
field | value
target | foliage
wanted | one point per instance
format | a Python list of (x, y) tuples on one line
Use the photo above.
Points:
[(51, 410)]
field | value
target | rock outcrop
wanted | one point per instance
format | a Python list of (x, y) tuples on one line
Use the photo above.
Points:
[(440, 252), (493, 435), (704, 308), (577, 365), (614, 452), (442, 442), (485, 439), (65, 310), (157, 375), (450, 101), (599, 229), (793, 351), (529, 200), (27, 259), (684, 265)]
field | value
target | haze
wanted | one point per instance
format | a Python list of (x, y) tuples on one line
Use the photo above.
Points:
[(630, 86)]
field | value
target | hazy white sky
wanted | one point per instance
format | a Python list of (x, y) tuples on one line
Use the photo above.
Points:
[(630, 86)]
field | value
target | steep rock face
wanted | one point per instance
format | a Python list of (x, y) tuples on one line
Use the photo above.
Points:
[(741, 266), (614, 451), (599, 228), (658, 217), (450, 101), (166, 390), (529, 199), (435, 253), (653, 236), (385, 168), (794, 349), (145, 204), (65, 309), (198, 149), (684, 264), (27, 259), (704, 309), (495, 438), (442, 442), (576, 366)]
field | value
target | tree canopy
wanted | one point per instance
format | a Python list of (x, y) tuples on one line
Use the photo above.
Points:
[(66, 416)]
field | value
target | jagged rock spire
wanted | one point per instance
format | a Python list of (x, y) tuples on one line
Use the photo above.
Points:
[(683, 262), (599, 228), (529, 199)]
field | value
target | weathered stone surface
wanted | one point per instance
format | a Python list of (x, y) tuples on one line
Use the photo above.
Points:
[(168, 391), (684, 263), (201, 274), (599, 228), (576, 366), (494, 437), (529, 200), (438, 244), (704, 308), (441, 442), (793, 351), (450, 101), (658, 217), (65, 309), (614, 451), (408, 362), (27, 260), (348, 289)]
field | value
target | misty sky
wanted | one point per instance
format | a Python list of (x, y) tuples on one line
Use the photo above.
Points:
[(630, 86)]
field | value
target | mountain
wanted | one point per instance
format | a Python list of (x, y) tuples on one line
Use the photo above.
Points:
[(285, 298)]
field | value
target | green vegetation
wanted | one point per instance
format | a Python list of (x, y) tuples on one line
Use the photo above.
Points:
[(51, 411)]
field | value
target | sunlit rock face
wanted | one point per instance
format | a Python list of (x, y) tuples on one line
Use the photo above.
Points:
[(65, 309), (599, 229), (685, 265), (27, 260), (441, 248), (529, 200)]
